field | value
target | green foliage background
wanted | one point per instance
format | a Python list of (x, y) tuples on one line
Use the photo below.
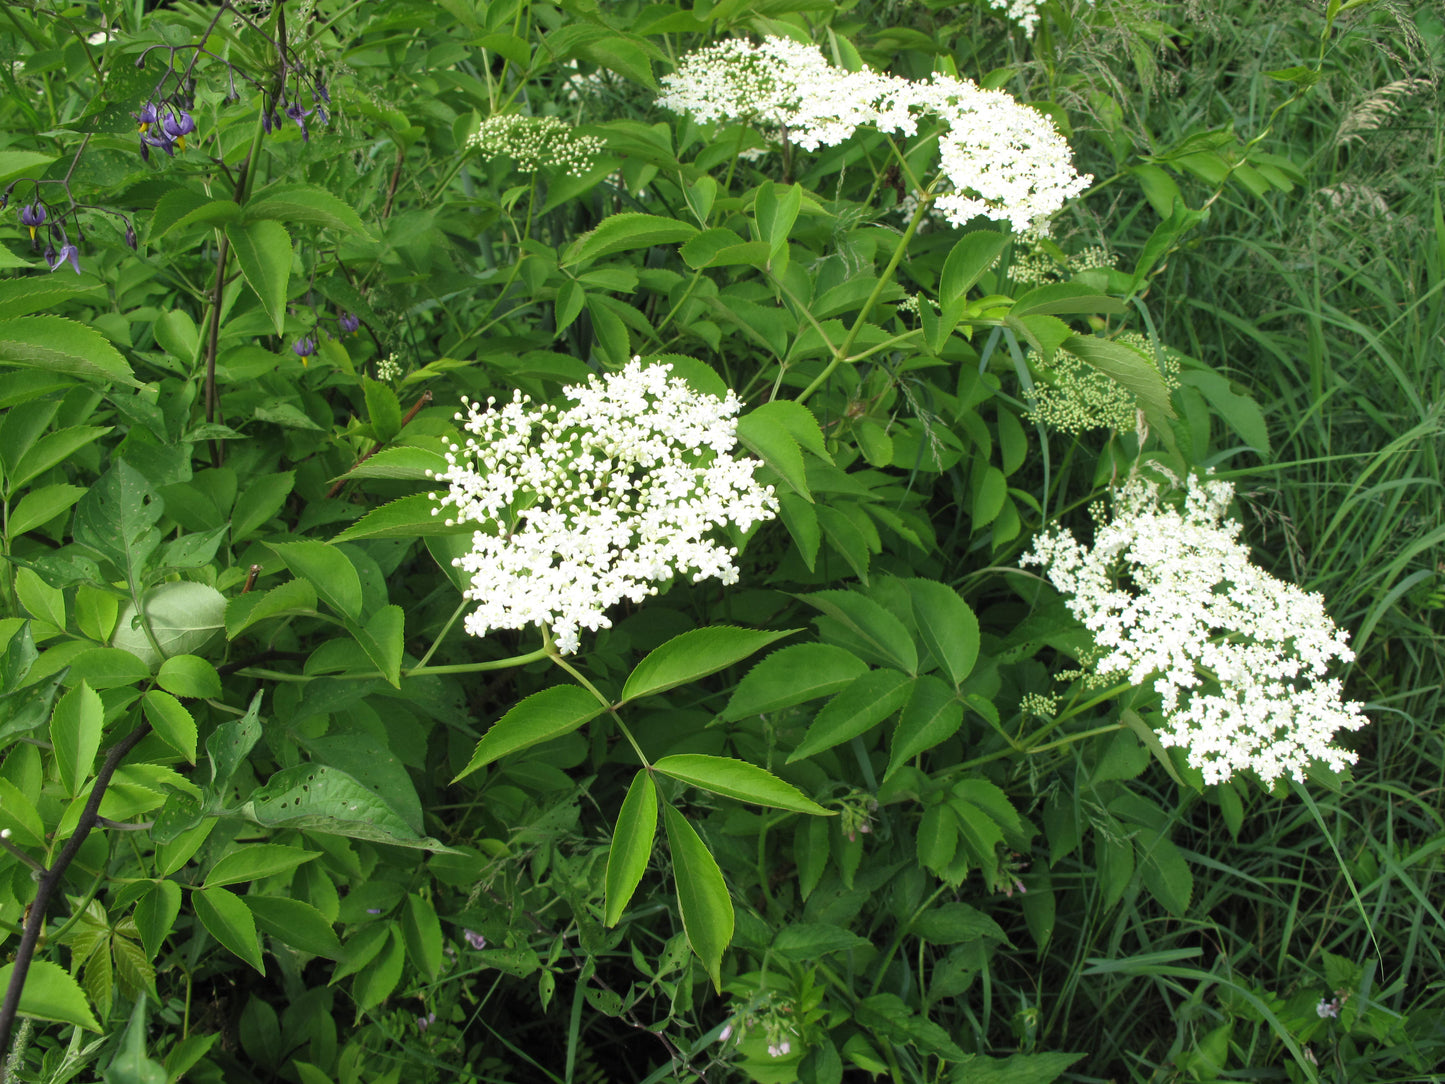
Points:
[(339, 840)]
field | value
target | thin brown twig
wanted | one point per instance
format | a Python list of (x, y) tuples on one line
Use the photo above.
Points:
[(35, 918), (410, 414)]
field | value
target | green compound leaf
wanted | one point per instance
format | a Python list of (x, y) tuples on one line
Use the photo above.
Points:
[(873, 631), (117, 519), (328, 570), (405, 517), (172, 723), (947, 625), (184, 616), (791, 676), (933, 714), (631, 845), (189, 676), (320, 798), (702, 894), (307, 205), (295, 923), (254, 861), (694, 655), (541, 717), (620, 233), (738, 779), (58, 345), (263, 251), (229, 921), (866, 702), (51, 994), (75, 729)]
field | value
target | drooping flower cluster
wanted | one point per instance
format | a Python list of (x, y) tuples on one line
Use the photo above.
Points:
[(165, 119), (581, 507), (163, 125), (1238, 656), (1003, 159), (47, 223), (534, 142), (1078, 397)]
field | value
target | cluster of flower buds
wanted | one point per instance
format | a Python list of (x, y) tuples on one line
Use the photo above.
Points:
[(47, 225), (164, 125), (291, 108)]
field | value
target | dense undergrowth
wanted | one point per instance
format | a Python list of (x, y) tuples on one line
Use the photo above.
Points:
[(864, 811)]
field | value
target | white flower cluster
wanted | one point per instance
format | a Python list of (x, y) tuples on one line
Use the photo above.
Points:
[(1238, 656), (534, 142), (1072, 396), (1004, 160), (585, 506), (1023, 12), (388, 369)]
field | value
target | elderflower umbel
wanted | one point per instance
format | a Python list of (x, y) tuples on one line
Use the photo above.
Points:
[(1238, 656), (534, 142), (584, 506), (1004, 160)]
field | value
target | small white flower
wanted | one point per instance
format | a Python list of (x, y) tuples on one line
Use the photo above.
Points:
[(1328, 1010), (726, 1033), (534, 142), (1238, 657)]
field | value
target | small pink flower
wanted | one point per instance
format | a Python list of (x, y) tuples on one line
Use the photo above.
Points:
[(725, 1034), (476, 940)]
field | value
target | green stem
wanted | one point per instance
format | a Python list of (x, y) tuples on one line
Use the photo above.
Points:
[(897, 943), (556, 656), (415, 671), (442, 635), (841, 353)]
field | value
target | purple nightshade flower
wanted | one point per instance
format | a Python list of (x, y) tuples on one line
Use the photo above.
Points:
[(476, 940), (299, 115), (303, 348), (177, 125), (32, 215), (321, 115), (321, 90), (147, 116), (349, 322), (67, 252), (157, 138)]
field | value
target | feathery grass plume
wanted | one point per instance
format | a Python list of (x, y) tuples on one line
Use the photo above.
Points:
[(1238, 657), (1378, 109), (582, 507), (535, 142)]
